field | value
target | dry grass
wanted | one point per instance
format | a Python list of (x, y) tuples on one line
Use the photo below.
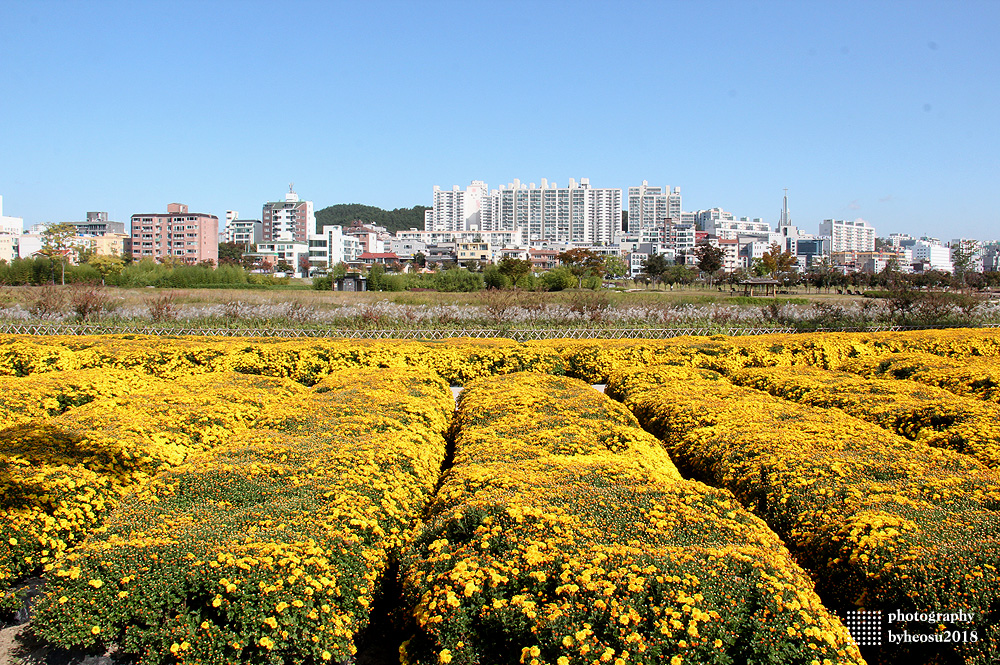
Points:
[(325, 300)]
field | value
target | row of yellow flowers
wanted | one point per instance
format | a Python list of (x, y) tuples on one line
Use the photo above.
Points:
[(918, 412), (563, 534), (882, 522), (596, 361), (61, 476), (462, 360), (305, 361), (269, 548), (976, 378), (23, 400)]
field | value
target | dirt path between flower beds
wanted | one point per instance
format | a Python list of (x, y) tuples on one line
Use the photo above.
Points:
[(17, 647)]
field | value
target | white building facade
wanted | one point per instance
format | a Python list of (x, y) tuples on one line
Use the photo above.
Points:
[(292, 215), (10, 225), (848, 236), (937, 256), (576, 213), (649, 207), (243, 232)]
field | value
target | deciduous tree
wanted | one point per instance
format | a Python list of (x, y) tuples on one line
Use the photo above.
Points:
[(56, 245), (582, 263)]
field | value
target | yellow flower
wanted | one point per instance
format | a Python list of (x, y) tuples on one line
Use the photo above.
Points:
[(97, 584), (444, 656), (95, 630)]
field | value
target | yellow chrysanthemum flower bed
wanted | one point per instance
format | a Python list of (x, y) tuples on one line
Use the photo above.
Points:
[(304, 360), (563, 534), (597, 361), (268, 548), (977, 378), (61, 476), (49, 394), (882, 522), (918, 412)]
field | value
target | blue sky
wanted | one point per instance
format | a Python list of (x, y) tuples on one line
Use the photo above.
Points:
[(882, 110)]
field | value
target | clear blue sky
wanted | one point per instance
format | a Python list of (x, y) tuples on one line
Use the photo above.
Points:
[(882, 110)]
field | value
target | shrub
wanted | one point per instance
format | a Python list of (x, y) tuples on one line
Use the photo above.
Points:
[(89, 300), (48, 301), (458, 279), (162, 308)]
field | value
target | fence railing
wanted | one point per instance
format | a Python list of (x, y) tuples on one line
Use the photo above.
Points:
[(406, 333)]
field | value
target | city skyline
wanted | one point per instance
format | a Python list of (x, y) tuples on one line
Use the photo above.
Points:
[(879, 111)]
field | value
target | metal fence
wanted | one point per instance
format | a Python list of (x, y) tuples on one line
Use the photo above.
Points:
[(519, 335)]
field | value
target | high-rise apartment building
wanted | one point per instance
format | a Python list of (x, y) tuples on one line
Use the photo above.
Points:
[(289, 216), (459, 210), (649, 207), (705, 218), (576, 213), (848, 236), (188, 236)]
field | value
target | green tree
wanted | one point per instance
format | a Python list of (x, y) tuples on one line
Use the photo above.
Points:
[(108, 266), (709, 259), (376, 277), (582, 263), (343, 214), (230, 253), (615, 267), (514, 269), (419, 260), (494, 279), (963, 259), (56, 244), (777, 263), (678, 274), (654, 266)]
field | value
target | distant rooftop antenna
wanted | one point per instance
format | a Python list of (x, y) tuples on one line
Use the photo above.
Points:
[(291, 189)]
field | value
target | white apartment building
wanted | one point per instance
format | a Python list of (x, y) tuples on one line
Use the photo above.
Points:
[(458, 210), (577, 213), (332, 246), (703, 218), (680, 237), (649, 206), (10, 225), (973, 247), (286, 249), (848, 236), (937, 256), (900, 240), (730, 229), (289, 216), (243, 232)]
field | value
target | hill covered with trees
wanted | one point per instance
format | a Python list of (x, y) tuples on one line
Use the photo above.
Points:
[(399, 219)]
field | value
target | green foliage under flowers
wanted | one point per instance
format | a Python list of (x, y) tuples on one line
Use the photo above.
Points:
[(563, 534), (270, 547)]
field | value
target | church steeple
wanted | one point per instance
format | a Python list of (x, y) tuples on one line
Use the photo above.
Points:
[(785, 220)]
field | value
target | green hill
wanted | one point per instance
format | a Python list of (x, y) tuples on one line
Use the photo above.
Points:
[(400, 219)]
